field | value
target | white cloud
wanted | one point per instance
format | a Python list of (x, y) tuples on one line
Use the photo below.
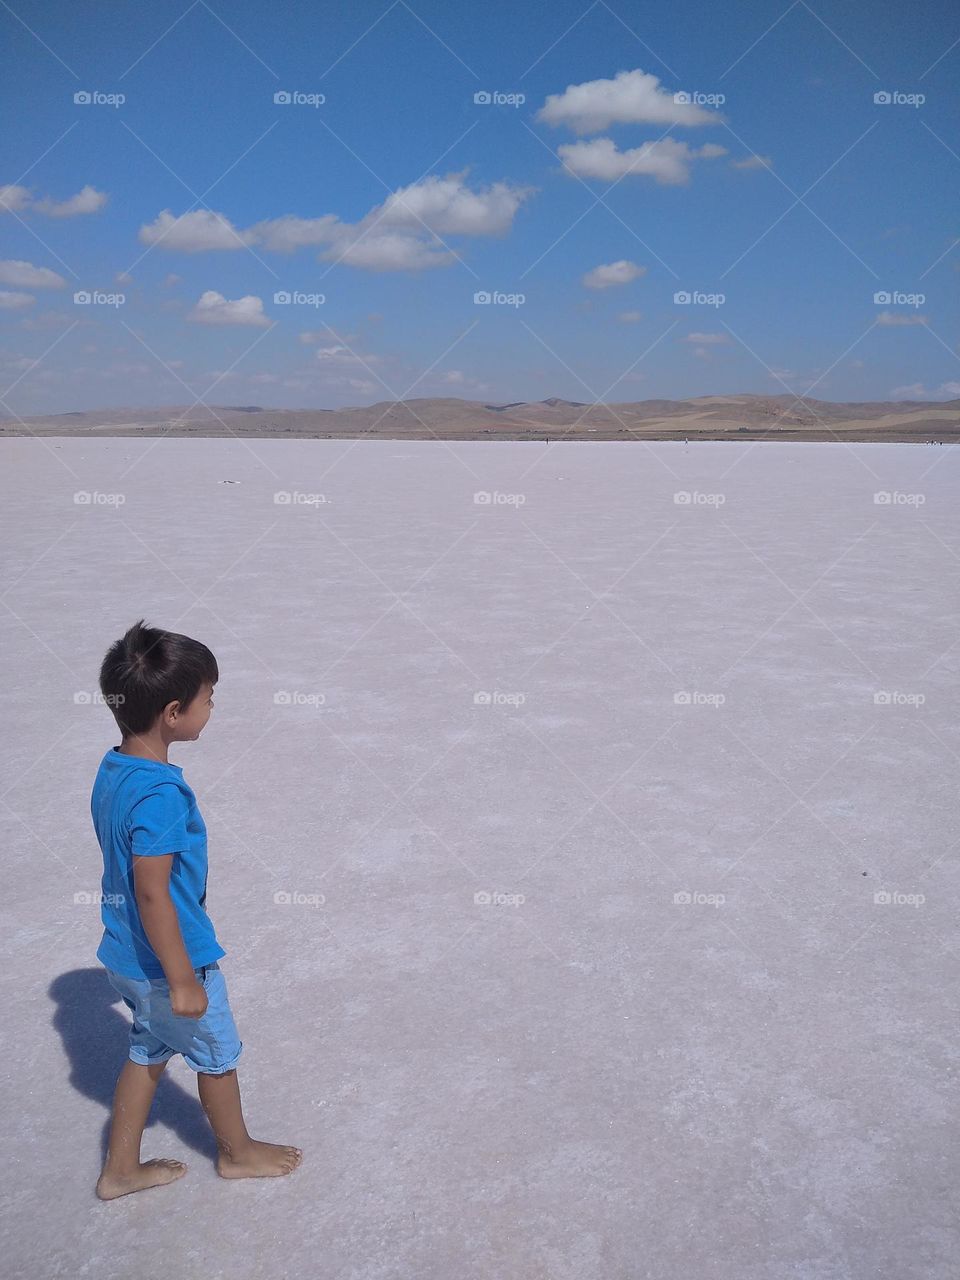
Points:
[(10, 301), (399, 235), (214, 308), (917, 391), (898, 318), (27, 276), (341, 355), (706, 339), (665, 160), (194, 232), (447, 206), (612, 273), (14, 198), (286, 234), (391, 251), (631, 97), (630, 317), (88, 200), (309, 336), (752, 162)]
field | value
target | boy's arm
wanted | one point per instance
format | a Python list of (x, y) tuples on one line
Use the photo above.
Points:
[(151, 883)]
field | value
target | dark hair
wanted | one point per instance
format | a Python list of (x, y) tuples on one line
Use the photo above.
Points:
[(149, 668)]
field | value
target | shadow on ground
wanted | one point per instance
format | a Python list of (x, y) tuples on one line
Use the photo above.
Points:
[(95, 1036)]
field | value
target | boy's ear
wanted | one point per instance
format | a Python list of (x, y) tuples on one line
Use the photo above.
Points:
[(171, 711)]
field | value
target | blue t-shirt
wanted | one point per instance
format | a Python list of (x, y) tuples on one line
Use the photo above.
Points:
[(144, 808)]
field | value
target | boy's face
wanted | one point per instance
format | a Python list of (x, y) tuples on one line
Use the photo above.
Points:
[(191, 721)]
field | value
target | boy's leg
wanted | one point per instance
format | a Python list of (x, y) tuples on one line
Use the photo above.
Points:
[(122, 1170), (240, 1155)]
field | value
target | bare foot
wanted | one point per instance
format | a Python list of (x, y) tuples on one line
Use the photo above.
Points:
[(152, 1173), (260, 1160)]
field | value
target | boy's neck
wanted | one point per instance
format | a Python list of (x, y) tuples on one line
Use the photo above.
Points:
[(145, 746)]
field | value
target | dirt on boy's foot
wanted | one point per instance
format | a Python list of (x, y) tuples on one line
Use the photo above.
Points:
[(152, 1173), (260, 1160)]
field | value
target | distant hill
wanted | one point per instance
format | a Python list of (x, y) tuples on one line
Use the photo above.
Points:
[(737, 417)]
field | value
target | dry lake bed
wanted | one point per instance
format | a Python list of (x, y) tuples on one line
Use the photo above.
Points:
[(583, 838)]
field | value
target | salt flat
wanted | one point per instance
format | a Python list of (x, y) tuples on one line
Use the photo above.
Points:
[(586, 858)]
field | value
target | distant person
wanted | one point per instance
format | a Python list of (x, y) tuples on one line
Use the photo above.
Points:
[(159, 946)]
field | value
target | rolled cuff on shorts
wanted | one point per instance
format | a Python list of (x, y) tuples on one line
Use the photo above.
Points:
[(209, 1044)]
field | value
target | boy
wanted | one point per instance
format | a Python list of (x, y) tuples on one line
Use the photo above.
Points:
[(159, 946)]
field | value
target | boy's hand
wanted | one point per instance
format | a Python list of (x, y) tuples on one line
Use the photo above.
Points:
[(188, 1000)]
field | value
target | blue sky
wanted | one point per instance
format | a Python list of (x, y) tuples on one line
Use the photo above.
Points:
[(780, 197)]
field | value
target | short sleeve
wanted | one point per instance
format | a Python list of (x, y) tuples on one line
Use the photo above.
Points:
[(158, 822)]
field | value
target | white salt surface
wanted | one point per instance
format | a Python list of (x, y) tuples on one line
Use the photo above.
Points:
[(706, 1024)]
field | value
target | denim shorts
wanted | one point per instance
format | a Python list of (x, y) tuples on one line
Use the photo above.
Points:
[(209, 1044)]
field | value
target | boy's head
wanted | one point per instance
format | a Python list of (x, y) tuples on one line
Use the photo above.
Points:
[(153, 679)]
